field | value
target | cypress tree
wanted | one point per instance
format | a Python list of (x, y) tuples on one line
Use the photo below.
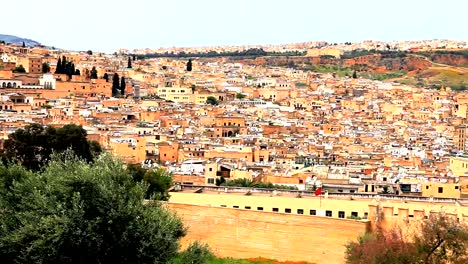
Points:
[(189, 65), (64, 65), (94, 73), (58, 69), (106, 77), (129, 64), (122, 86), (115, 84)]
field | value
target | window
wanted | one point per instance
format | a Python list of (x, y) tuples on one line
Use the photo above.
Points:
[(328, 213), (275, 210), (211, 180), (354, 214), (427, 187), (300, 211), (211, 169), (287, 210), (341, 214), (457, 187), (235, 206), (441, 189), (247, 207), (260, 208), (365, 215), (223, 205), (313, 212)]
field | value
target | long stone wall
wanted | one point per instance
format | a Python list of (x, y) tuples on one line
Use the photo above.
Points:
[(249, 234)]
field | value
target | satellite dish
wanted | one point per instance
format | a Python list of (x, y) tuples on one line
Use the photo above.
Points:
[(309, 179)]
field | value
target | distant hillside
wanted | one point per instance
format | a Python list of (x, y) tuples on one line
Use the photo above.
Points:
[(18, 40)]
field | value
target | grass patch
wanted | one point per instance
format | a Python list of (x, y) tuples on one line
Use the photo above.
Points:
[(437, 78), (251, 261), (384, 76)]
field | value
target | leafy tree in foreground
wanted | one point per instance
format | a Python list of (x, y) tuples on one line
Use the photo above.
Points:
[(77, 212), (440, 239), (196, 253), (159, 181), (33, 145)]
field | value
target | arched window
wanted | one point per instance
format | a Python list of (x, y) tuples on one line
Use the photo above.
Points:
[(9, 85), (4, 85), (14, 85)]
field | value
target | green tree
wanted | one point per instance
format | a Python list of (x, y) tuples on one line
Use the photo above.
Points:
[(45, 67), (77, 72), (189, 65), (115, 84), (19, 69), (354, 74), (33, 145), (94, 73), (24, 45), (212, 100), (440, 239), (159, 180), (89, 52), (63, 66), (129, 63), (106, 77), (58, 69), (77, 212), (137, 172), (220, 181), (196, 253), (240, 96), (122, 86)]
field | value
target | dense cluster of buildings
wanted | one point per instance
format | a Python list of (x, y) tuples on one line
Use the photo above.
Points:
[(267, 124)]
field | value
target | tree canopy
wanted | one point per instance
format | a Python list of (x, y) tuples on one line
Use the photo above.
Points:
[(189, 65), (33, 145), (240, 96), (65, 67), (94, 73), (19, 69), (440, 239), (45, 67), (212, 100), (79, 212)]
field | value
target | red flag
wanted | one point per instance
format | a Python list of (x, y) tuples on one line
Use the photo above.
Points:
[(318, 191)]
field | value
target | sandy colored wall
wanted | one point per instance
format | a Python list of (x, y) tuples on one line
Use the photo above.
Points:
[(248, 234)]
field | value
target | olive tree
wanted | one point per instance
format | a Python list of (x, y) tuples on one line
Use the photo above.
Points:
[(74, 211)]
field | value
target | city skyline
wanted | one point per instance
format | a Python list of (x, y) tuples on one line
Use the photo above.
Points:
[(108, 26)]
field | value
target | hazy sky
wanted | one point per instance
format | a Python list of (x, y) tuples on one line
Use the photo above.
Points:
[(108, 25)]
